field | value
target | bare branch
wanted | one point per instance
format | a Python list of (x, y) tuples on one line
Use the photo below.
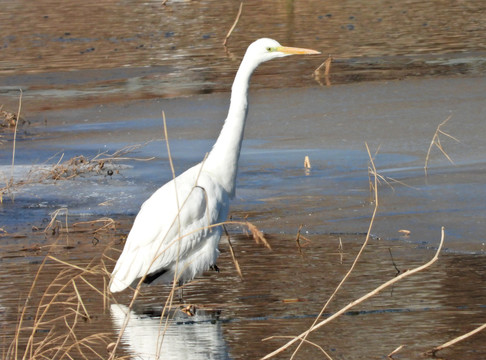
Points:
[(456, 340)]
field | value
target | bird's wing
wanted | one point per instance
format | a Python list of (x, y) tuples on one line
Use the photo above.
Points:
[(169, 226)]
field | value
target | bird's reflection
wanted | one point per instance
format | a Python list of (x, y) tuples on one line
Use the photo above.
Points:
[(196, 337)]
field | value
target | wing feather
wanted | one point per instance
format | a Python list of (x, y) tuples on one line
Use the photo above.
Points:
[(170, 227)]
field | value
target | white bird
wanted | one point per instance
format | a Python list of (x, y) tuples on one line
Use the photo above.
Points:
[(172, 238)]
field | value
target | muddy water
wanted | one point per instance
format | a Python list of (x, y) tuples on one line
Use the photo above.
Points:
[(330, 125), (145, 49), (420, 312), (91, 59), (283, 290)]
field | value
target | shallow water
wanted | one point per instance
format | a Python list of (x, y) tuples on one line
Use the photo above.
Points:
[(282, 292), (82, 68), (419, 312), (144, 49), (330, 125)]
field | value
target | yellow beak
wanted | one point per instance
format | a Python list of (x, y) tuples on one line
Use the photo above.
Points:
[(297, 51)]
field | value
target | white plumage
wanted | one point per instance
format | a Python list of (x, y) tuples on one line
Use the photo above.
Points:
[(172, 237)]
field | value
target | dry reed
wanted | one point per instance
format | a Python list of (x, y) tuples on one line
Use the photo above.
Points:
[(316, 324), (226, 38), (64, 291), (455, 340), (390, 355), (436, 141), (102, 164), (326, 66), (358, 256), (59, 311), (358, 301), (11, 120), (15, 136)]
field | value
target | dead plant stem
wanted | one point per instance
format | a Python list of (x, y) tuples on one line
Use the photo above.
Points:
[(24, 309), (15, 140), (456, 340), (436, 141), (234, 25), (233, 256), (175, 282), (361, 299), (358, 256)]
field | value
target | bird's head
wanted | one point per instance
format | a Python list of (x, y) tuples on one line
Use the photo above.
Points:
[(266, 49)]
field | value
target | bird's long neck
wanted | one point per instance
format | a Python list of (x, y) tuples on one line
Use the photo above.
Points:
[(222, 161)]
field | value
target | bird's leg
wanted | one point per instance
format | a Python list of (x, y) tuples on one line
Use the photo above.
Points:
[(189, 310), (181, 291), (214, 267)]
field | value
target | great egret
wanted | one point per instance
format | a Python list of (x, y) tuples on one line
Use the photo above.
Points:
[(172, 237)]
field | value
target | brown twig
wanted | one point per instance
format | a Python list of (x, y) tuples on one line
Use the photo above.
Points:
[(233, 256), (56, 224), (108, 224), (300, 237), (327, 69), (456, 340), (436, 141), (234, 24), (358, 256), (360, 300), (390, 355), (15, 136)]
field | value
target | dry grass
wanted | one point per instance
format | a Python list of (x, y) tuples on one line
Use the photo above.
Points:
[(10, 120), (376, 179), (438, 144), (105, 164), (62, 299), (58, 226), (302, 338), (230, 31), (59, 311), (455, 340), (323, 71)]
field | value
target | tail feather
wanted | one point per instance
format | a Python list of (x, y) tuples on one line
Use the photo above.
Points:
[(123, 276), (117, 285)]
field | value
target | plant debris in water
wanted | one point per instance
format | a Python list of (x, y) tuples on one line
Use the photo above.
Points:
[(9, 119), (101, 164)]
